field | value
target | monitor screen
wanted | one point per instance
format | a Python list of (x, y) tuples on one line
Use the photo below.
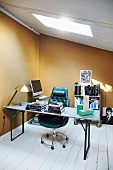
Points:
[(36, 87)]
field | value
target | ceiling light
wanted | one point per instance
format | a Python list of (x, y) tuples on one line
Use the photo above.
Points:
[(65, 25)]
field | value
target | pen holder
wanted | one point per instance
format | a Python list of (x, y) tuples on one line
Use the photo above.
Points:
[(79, 107)]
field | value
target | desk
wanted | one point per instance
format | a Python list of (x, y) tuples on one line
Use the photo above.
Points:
[(70, 112)]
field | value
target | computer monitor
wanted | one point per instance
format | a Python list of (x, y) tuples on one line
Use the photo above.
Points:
[(36, 87)]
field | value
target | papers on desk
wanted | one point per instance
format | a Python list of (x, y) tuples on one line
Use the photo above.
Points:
[(36, 106), (42, 97)]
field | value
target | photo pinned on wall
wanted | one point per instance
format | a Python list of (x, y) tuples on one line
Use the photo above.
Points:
[(85, 77), (107, 118)]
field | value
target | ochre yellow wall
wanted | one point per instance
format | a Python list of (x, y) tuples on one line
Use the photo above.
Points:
[(56, 62), (61, 62), (19, 61)]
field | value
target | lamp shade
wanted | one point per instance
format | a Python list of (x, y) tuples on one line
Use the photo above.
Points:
[(23, 88)]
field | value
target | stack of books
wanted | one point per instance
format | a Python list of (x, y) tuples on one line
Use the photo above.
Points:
[(36, 107), (56, 108)]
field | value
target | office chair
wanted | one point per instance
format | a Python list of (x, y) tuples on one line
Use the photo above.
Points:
[(59, 94)]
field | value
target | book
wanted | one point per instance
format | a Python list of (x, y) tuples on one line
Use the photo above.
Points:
[(56, 108), (86, 112)]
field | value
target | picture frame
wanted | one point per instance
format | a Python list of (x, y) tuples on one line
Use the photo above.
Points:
[(85, 77)]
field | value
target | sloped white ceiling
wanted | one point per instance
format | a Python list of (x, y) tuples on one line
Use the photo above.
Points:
[(97, 13)]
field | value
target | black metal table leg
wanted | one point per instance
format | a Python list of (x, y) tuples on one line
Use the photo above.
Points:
[(11, 125), (12, 116), (22, 122), (89, 133), (87, 139)]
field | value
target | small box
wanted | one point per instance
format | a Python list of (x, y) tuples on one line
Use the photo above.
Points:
[(79, 107), (88, 112)]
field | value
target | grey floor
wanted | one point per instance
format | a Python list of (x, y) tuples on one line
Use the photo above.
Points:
[(27, 153)]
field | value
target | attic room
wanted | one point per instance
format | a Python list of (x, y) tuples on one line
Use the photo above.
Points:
[(31, 51)]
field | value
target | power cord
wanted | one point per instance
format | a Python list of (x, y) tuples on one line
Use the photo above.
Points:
[(3, 125)]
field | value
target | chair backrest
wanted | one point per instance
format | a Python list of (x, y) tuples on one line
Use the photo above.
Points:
[(59, 94)]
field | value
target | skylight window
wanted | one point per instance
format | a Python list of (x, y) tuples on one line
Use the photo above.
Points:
[(65, 25)]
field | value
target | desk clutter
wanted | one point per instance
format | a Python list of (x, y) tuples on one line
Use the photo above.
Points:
[(82, 112), (36, 106), (83, 109), (88, 112), (43, 97), (56, 108)]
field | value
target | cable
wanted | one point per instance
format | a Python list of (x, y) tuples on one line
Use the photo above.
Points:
[(3, 125)]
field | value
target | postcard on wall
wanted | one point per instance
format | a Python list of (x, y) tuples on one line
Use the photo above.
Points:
[(85, 77)]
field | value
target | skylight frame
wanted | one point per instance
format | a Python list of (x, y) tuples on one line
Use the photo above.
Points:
[(64, 25)]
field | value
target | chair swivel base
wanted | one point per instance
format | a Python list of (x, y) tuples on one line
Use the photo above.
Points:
[(55, 135)]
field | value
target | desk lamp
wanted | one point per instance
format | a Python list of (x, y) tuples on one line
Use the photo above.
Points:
[(21, 88)]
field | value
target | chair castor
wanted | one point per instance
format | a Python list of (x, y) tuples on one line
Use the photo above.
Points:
[(63, 146), (42, 141), (47, 135), (52, 147), (67, 138)]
